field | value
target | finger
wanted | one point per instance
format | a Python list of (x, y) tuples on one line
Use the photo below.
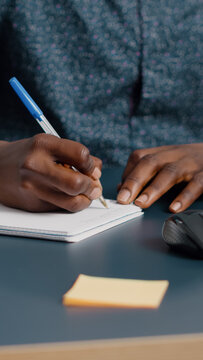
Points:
[(39, 206), (133, 160), (66, 151), (171, 174), (59, 199), (138, 178), (96, 173), (190, 193), (137, 155), (63, 179), (74, 183), (98, 162)]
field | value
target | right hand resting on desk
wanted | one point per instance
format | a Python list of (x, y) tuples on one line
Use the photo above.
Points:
[(34, 179)]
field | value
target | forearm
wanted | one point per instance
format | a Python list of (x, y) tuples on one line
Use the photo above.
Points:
[(2, 143)]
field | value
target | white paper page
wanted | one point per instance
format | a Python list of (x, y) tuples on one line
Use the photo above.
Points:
[(63, 225)]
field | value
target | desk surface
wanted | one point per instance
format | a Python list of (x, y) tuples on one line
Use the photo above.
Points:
[(34, 274)]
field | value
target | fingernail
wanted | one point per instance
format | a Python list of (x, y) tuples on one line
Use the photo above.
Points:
[(96, 173), (142, 198), (96, 192), (176, 206), (124, 195)]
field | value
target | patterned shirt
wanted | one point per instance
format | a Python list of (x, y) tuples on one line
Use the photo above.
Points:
[(113, 75)]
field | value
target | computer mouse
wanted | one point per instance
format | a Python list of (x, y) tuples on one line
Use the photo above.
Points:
[(184, 232)]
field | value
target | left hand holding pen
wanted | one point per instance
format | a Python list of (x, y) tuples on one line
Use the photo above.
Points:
[(150, 173)]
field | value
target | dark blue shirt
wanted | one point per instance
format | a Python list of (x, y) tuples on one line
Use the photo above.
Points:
[(114, 75)]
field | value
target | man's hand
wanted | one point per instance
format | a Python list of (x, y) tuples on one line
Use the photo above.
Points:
[(150, 173), (36, 174)]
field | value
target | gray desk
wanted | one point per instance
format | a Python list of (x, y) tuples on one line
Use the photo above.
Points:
[(34, 275)]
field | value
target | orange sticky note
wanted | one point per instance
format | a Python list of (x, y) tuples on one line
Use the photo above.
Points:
[(99, 291)]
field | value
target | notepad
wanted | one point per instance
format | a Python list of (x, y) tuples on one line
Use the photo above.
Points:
[(99, 291), (65, 226)]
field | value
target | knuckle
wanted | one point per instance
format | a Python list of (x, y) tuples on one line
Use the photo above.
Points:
[(29, 163), (75, 204), (25, 182), (77, 185), (155, 187), (38, 141), (135, 156), (84, 154), (133, 179), (150, 159), (34, 152), (171, 168), (186, 195), (85, 159), (198, 179)]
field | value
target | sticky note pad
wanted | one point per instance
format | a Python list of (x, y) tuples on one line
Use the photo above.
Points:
[(99, 291)]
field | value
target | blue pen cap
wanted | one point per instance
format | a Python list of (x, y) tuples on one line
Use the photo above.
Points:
[(26, 98)]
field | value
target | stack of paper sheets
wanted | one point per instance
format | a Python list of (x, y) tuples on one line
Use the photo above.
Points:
[(63, 225)]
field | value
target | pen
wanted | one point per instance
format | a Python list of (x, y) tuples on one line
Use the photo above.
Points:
[(37, 113)]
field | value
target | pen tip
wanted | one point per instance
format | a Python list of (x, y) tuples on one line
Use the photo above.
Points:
[(103, 201)]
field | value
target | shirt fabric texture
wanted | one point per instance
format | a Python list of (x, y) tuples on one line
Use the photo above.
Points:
[(115, 75)]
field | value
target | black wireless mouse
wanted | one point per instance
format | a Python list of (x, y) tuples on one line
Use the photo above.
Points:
[(184, 232)]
